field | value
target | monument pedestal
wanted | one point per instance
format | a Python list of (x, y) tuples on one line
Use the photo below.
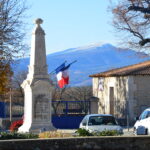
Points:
[(37, 110), (37, 87)]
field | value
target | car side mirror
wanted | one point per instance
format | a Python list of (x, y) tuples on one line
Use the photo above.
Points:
[(147, 116), (84, 124), (136, 118)]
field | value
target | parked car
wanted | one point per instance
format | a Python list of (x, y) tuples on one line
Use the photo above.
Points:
[(142, 125), (100, 122)]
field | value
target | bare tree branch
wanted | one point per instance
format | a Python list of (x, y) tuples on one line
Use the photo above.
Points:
[(132, 21)]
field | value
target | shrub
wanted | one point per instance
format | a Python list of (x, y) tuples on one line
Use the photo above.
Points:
[(15, 135), (15, 125), (106, 133), (83, 132)]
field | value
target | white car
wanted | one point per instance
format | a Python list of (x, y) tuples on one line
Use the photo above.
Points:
[(142, 125), (100, 122)]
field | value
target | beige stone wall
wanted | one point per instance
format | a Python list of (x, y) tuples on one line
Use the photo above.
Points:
[(120, 86), (139, 95), (131, 95)]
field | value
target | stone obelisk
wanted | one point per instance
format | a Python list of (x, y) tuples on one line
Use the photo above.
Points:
[(37, 87)]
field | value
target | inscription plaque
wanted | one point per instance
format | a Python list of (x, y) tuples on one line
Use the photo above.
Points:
[(41, 107)]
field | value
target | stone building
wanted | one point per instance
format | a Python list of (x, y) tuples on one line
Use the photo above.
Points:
[(123, 92)]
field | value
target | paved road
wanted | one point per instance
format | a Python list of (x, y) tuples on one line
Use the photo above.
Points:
[(128, 131)]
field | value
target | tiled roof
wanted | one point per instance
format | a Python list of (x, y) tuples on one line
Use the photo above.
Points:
[(137, 69)]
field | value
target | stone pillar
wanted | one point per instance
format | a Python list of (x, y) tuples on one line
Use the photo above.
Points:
[(94, 105), (37, 87)]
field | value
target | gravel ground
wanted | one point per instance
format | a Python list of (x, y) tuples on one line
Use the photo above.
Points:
[(126, 131)]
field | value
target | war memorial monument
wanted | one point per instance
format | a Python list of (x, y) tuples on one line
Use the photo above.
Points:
[(37, 87)]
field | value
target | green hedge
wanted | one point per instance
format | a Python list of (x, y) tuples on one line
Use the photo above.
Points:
[(84, 132), (15, 135)]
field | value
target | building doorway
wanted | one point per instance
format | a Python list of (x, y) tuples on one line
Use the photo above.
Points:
[(111, 100)]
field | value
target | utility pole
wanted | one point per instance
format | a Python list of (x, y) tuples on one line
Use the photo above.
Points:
[(128, 115), (10, 104)]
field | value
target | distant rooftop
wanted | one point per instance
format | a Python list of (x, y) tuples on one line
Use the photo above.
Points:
[(137, 69)]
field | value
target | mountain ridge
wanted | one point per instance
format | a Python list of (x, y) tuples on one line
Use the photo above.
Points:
[(90, 60)]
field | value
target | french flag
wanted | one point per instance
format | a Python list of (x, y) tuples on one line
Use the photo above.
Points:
[(62, 75)]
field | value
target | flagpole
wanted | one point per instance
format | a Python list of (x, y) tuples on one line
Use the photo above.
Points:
[(57, 67), (63, 63), (73, 62)]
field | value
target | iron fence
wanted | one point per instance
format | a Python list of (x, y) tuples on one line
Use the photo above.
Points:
[(58, 108), (70, 107), (17, 110)]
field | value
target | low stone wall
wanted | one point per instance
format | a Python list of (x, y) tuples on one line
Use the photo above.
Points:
[(88, 143)]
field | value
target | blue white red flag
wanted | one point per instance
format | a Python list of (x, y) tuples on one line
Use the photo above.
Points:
[(62, 75)]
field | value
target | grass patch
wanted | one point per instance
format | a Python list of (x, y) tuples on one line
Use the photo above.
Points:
[(54, 134)]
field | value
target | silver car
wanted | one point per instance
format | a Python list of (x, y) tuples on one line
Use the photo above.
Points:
[(142, 125), (99, 123)]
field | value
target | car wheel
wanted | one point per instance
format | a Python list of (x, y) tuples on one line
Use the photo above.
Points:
[(146, 131), (134, 131)]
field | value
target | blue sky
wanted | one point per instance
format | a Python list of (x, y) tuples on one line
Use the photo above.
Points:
[(72, 23)]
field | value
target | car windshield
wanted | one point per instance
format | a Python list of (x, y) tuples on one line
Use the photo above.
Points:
[(102, 120)]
